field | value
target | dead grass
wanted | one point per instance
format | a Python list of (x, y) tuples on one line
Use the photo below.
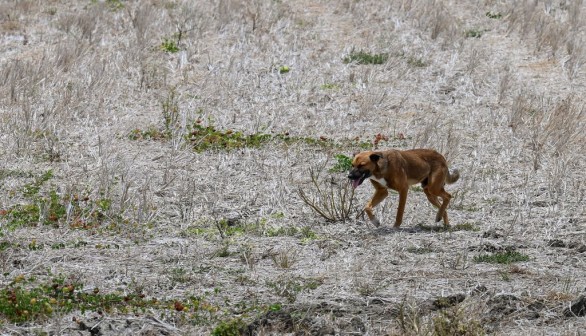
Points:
[(220, 238)]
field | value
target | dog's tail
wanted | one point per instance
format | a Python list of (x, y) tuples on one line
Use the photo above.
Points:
[(453, 175)]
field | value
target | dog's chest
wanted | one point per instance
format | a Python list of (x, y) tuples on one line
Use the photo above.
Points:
[(380, 181)]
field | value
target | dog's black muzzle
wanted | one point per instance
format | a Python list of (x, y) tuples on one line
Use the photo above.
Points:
[(357, 176)]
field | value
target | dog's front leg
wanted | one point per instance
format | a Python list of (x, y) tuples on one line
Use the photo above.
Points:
[(401, 208), (379, 195)]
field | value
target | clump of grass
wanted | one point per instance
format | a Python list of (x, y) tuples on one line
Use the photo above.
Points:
[(362, 57), (456, 321), (473, 33), (329, 86), (416, 62), (494, 15), (232, 327), (506, 257), (151, 133), (115, 4), (169, 45), (289, 288), (284, 259)]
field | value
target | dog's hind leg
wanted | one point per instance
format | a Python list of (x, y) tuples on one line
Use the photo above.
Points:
[(434, 190)]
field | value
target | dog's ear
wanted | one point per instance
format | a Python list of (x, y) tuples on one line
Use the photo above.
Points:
[(374, 157)]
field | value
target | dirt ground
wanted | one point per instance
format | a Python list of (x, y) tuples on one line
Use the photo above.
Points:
[(107, 188)]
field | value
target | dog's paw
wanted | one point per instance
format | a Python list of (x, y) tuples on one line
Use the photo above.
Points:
[(375, 222), (438, 216)]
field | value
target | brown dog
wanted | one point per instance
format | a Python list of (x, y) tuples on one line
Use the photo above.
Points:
[(397, 170)]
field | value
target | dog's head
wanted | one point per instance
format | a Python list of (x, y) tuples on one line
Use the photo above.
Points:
[(364, 165)]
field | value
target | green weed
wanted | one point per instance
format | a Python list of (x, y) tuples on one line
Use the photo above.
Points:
[(169, 45), (343, 164), (229, 328), (506, 257), (202, 138), (473, 33), (494, 15), (361, 57), (151, 133), (329, 86), (289, 288)]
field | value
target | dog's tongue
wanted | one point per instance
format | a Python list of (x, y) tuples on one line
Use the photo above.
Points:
[(355, 183)]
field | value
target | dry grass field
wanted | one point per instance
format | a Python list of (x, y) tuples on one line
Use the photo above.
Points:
[(159, 161)]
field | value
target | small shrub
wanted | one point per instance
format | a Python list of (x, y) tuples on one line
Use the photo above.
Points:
[(333, 199), (284, 69), (506, 257)]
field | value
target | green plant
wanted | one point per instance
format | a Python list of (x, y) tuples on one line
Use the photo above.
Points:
[(289, 288), (204, 138), (329, 86), (115, 4), (343, 164), (506, 257), (494, 15), (169, 45), (361, 57), (474, 33), (229, 328), (284, 69), (31, 190), (22, 301)]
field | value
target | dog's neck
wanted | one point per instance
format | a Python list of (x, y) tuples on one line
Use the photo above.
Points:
[(381, 180)]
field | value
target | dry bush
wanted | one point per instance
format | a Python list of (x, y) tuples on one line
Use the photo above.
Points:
[(331, 197)]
